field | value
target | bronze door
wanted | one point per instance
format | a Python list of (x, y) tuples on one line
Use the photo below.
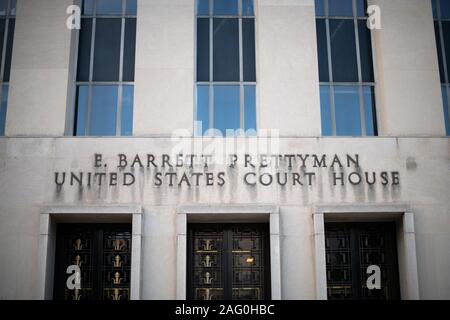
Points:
[(103, 254), (350, 249), (228, 262)]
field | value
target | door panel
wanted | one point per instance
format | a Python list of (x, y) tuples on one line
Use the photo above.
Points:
[(228, 262)]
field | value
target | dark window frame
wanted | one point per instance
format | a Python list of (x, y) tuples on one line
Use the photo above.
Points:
[(360, 83), (442, 51), (9, 19), (210, 83), (120, 83)]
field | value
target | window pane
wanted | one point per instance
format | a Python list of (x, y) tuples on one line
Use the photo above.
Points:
[(2, 35), (226, 7), (3, 106), (109, 7), (320, 9), (13, 7), (104, 109), (369, 105), (226, 108), (250, 108), (248, 39), (202, 49), (434, 5), (84, 50), (226, 49), (340, 8), (348, 119), (322, 50), (131, 7), (81, 110), (248, 8), (365, 50), (127, 111), (129, 49), (325, 110), (202, 110), (9, 48), (446, 110), (88, 7), (361, 7), (439, 51), (343, 50), (203, 7), (3, 7), (446, 33), (445, 9), (107, 49)]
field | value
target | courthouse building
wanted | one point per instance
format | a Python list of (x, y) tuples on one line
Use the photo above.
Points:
[(224, 149)]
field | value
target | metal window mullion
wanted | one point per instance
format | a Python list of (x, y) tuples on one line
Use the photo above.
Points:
[(241, 68), (120, 93), (91, 72), (330, 74), (441, 36), (211, 66), (362, 109)]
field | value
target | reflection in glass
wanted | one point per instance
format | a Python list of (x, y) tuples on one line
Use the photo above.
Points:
[(203, 7), (131, 7), (202, 49), (226, 108), (340, 8), (226, 49), (226, 7), (202, 109), (109, 7), (320, 9), (248, 8), (103, 114), (343, 50), (81, 110), (127, 110), (365, 49), (107, 49), (3, 106), (446, 110), (348, 119), (322, 51), (369, 105), (250, 108), (84, 50), (325, 110), (248, 41), (129, 49)]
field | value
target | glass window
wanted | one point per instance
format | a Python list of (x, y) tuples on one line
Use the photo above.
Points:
[(225, 7), (202, 49), (322, 50), (347, 85), (109, 7), (320, 9), (7, 26), (129, 50), (226, 49), (127, 110), (3, 105), (340, 8), (226, 108), (441, 14), (131, 7), (343, 50), (107, 49), (250, 107), (248, 34), (203, 7), (226, 86), (325, 109), (105, 92), (348, 119), (104, 110), (202, 109)]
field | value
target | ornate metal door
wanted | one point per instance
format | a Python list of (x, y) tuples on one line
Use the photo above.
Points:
[(103, 255), (228, 262), (350, 250)]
